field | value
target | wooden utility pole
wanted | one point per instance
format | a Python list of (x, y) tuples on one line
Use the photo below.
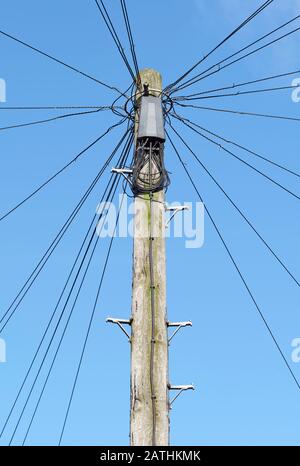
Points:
[(149, 417)]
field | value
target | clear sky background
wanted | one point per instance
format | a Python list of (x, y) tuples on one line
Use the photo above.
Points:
[(244, 393)]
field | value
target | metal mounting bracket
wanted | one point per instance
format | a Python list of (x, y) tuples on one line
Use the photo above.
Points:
[(125, 172), (179, 325), (175, 210), (180, 389), (120, 323)]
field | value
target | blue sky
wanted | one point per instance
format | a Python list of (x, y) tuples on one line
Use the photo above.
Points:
[(245, 394)]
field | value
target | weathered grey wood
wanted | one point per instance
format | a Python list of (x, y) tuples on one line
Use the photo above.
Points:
[(141, 416)]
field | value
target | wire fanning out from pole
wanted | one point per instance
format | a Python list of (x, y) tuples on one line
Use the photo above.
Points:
[(235, 31), (216, 68), (35, 49), (48, 120), (93, 238), (239, 146), (249, 165), (236, 266), (130, 36), (31, 195), (237, 208), (106, 17)]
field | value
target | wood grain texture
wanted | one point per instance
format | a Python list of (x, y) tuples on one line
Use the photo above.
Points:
[(141, 416)]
